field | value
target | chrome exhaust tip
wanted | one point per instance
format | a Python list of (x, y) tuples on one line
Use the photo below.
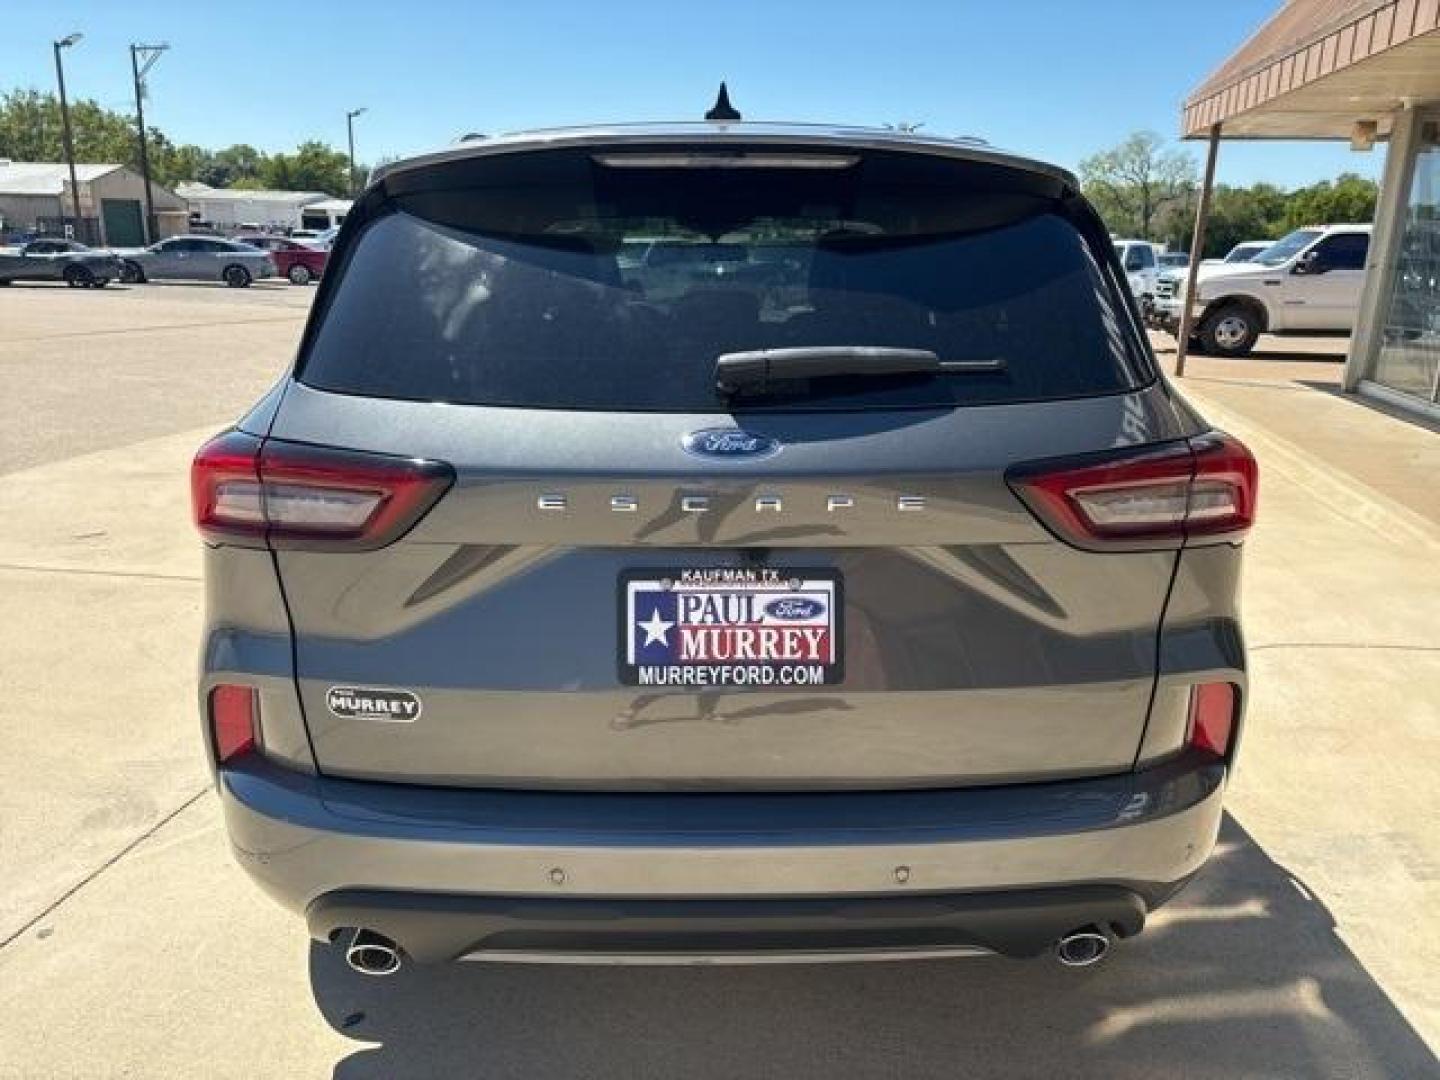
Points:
[(1083, 947), (370, 953)]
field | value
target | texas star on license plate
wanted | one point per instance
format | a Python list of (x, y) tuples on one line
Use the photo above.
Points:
[(730, 627)]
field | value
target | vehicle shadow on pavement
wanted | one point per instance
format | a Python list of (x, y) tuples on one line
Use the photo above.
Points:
[(1242, 975), (1395, 412)]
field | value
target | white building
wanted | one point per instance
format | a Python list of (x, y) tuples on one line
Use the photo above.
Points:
[(230, 208)]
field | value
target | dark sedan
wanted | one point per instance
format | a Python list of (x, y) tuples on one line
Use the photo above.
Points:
[(58, 260)]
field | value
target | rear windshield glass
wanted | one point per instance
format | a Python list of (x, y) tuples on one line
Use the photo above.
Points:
[(584, 280)]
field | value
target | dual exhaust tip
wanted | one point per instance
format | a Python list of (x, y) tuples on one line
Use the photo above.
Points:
[(375, 954), (1083, 947), (370, 953)]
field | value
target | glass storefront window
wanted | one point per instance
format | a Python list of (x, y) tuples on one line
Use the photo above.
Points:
[(1409, 356)]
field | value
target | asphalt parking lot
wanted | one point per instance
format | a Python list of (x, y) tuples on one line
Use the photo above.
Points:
[(130, 945)]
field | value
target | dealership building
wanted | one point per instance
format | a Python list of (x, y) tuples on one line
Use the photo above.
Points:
[(1367, 72)]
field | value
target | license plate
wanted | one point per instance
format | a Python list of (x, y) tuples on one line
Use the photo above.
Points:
[(758, 627)]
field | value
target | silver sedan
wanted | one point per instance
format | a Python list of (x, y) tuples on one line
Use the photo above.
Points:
[(58, 259), (197, 258)]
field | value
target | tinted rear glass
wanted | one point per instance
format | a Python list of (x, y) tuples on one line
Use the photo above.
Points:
[(577, 279)]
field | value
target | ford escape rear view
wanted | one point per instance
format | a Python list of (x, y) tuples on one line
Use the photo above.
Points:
[(722, 541)]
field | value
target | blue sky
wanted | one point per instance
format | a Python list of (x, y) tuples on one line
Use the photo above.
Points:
[(1059, 79)]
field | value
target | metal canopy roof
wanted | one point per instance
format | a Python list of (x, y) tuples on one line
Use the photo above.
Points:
[(1318, 66)]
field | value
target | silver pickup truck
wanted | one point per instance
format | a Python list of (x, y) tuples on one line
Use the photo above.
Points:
[(58, 260)]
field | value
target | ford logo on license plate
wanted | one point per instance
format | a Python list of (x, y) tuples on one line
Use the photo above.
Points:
[(729, 443)]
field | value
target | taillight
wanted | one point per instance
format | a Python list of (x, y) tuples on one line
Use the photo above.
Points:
[(234, 713), (250, 492), (1200, 490), (1212, 717)]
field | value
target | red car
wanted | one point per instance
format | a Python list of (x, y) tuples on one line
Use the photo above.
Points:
[(299, 263)]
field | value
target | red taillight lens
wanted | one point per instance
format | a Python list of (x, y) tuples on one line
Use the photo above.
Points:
[(1225, 489), (1212, 717), (1200, 489), (234, 712), (248, 492), (224, 489)]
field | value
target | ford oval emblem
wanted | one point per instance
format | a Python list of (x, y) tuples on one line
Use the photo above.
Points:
[(795, 607), (730, 443)]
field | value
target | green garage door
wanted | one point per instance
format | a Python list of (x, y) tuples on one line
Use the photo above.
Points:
[(124, 224)]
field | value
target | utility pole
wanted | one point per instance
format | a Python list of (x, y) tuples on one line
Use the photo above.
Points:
[(65, 43), (350, 136), (151, 53)]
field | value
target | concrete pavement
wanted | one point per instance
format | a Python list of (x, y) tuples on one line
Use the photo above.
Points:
[(100, 368), (134, 947)]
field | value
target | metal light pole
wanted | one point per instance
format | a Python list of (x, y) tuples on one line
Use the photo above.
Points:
[(151, 53), (1197, 251), (65, 43), (350, 136)]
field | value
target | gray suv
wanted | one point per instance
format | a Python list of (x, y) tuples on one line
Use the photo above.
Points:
[(839, 580)]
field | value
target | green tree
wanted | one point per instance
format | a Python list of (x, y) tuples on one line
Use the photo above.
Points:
[(1134, 183), (188, 162), (1243, 213), (312, 167), (235, 166), (1349, 198), (31, 130)]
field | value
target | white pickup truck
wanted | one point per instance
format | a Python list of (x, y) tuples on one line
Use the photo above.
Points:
[(1141, 261), (1308, 281)]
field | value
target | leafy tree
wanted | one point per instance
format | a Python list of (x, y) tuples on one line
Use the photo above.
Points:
[(1240, 213), (1349, 198), (235, 166), (1133, 183), (312, 167), (31, 130), (1143, 190)]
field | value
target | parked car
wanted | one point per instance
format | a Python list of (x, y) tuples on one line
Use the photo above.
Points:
[(197, 258), (1244, 251), (1173, 260), (1307, 282), (299, 262), (551, 617), (1141, 260), (58, 259)]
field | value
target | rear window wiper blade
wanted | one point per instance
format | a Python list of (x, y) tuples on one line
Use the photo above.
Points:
[(751, 371)]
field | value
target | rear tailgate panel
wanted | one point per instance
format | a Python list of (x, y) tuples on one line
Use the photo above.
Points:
[(978, 648)]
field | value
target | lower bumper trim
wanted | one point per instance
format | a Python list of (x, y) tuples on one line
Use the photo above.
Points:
[(740, 959), (441, 927)]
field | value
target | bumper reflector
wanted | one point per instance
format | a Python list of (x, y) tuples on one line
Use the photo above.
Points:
[(1212, 717), (234, 712)]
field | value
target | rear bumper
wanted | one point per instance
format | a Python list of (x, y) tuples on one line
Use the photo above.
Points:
[(488, 862), (1018, 923)]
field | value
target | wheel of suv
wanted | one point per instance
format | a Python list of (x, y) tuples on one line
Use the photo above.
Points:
[(78, 276), (1230, 331), (299, 274), (237, 277), (131, 274)]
